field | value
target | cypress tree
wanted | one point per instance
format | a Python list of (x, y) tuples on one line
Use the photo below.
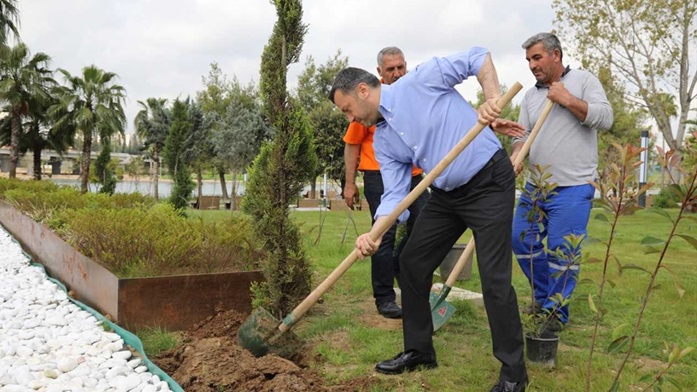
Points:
[(173, 155), (282, 167)]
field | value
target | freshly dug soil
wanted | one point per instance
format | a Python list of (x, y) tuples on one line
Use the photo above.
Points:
[(211, 360)]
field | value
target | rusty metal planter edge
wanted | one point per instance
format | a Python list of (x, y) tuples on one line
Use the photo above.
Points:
[(169, 302)]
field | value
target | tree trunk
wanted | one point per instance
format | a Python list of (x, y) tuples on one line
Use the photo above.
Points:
[(223, 186), (199, 181), (156, 172), (233, 193), (342, 184), (37, 162), (313, 189), (85, 164), (14, 143)]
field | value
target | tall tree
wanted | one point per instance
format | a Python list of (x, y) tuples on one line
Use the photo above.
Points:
[(199, 148), (214, 99), (327, 123), (37, 135), (242, 132), (646, 44), (278, 173), (25, 81), (151, 125), (173, 154), (103, 172), (9, 20), (93, 104), (41, 134)]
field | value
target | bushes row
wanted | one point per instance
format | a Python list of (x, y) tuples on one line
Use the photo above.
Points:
[(157, 241), (132, 235)]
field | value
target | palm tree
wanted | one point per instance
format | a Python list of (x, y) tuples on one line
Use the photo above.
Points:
[(9, 19), (24, 82), (152, 125), (38, 135), (93, 105), (41, 135)]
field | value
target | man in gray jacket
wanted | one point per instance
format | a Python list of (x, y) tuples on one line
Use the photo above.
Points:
[(567, 149)]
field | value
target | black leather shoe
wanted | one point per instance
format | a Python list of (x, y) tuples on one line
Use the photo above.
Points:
[(389, 309), (508, 386), (406, 362)]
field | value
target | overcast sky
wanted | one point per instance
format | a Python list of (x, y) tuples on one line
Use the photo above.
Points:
[(162, 48)]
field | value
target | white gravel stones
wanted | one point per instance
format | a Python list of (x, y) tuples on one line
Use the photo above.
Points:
[(49, 344)]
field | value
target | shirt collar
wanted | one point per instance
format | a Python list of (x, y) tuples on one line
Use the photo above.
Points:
[(386, 99), (566, 71)]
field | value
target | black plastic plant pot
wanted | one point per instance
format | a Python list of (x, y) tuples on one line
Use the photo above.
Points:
[(542, 349)]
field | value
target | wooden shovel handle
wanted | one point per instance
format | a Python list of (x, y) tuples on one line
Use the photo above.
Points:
[(383, 225), (466, 255), (533, 134)]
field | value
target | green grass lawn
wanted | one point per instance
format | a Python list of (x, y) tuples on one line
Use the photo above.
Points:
[(351, 338)]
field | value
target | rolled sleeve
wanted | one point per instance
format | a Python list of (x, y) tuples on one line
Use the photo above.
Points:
[(600, 115), (524, 120), (458, 67)]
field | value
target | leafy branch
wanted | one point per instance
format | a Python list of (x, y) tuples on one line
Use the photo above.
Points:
[(688, 193), (617, 198)]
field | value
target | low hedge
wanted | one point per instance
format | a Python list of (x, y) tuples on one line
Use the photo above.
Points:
[(134, 236)]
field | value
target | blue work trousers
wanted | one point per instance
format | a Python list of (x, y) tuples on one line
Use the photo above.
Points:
[(563, 213)]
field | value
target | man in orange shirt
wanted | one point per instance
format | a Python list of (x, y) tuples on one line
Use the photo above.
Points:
[(359, 142)]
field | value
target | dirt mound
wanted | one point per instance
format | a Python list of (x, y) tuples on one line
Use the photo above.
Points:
[(211, 360)]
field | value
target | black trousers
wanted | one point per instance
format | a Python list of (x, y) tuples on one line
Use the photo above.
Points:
[(484, 204), (384, 264)]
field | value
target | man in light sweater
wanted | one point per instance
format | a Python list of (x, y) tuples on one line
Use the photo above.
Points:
[(566, 148)]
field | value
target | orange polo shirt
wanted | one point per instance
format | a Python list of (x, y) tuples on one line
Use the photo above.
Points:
[(357, 133)]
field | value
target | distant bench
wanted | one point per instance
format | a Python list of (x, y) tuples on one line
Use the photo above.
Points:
[(308, 203), (238, 203), (206, 203)]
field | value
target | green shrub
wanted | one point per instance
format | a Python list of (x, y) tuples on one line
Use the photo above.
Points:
[(667, 198), (41, 200), (40, 205), (132, 235), (129, 200), (35, 186), (157, 241), (181, 191)]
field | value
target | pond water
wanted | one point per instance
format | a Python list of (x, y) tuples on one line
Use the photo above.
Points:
[(210, 188)]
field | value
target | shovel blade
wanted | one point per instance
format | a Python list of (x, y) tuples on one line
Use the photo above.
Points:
[(441, 313), (260, 335)]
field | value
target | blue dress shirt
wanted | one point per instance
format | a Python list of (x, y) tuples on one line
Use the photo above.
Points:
[(424, 118)]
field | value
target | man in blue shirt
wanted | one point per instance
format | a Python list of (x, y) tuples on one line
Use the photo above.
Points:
[(419, 119)]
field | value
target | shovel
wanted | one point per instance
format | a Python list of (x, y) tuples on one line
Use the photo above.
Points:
[(262, 333), (441, 310)]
